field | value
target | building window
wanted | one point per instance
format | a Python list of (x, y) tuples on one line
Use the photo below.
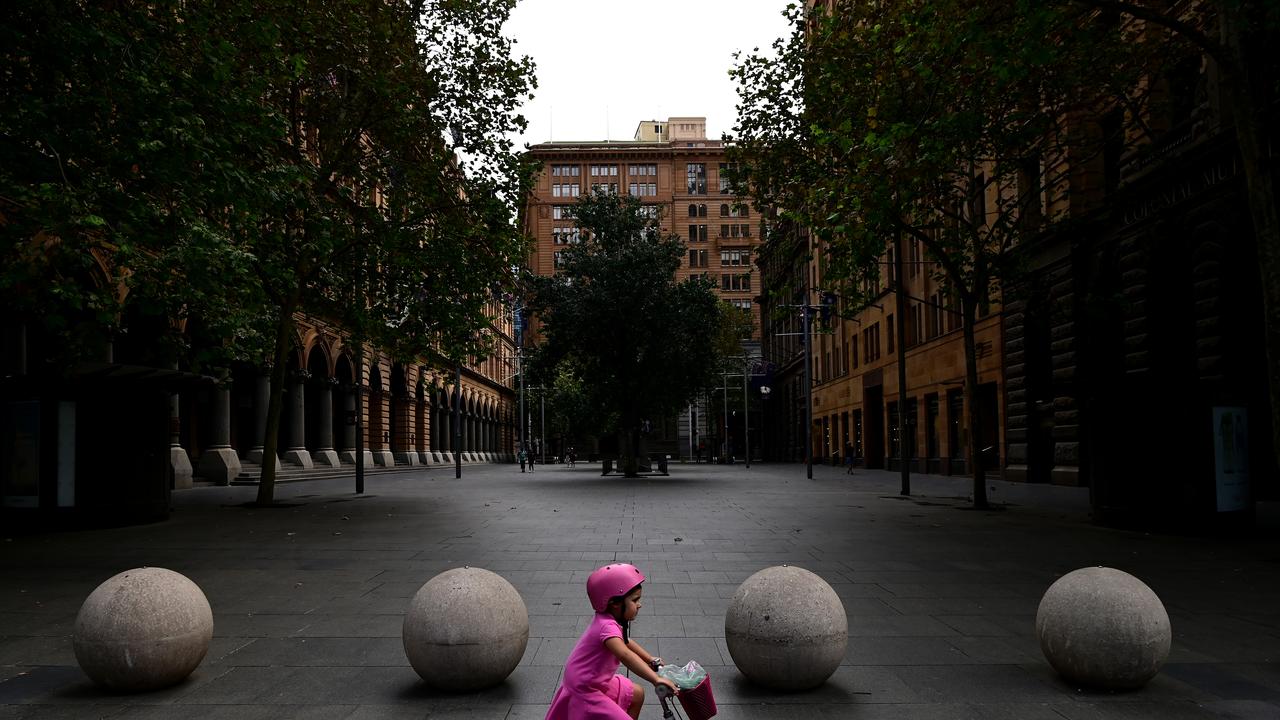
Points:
[(565, 235), (693, 210), (697, 258), (724, 209), (562, 212), (730, 282), (888, 325), (725, 170), (648, 211), (735, 258), (642, 189), (608, 188), (565, 190), (558, 256), (696, 178), (697, 233), (741, 304), (642, 170), (565, 170), (604, 171), (871, 343)]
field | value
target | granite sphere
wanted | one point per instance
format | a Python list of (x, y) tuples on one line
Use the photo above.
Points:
[(143, 629), (1103, 628), (786, 629), (466, 629)]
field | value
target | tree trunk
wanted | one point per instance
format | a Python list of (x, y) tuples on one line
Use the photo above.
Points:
[(969, 310), (270, 444), (900, 303), (1242, 93), (628, 446)]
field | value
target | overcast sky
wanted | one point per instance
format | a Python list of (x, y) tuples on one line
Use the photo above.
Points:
[(605, 65)]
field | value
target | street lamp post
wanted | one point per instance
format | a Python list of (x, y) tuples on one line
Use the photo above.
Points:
[(746, 416), (808, 401), (724, 456), (457, 426), (764, 400)]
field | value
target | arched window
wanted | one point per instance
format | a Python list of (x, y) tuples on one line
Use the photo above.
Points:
[(702, 211), (724, 210), (693, 211)]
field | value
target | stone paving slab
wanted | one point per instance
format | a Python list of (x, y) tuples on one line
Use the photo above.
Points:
[(309, 600)]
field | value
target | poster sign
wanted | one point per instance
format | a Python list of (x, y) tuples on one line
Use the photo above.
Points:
[(1231, 457)]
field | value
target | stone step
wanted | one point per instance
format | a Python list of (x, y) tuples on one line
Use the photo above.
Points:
[(251, 473)]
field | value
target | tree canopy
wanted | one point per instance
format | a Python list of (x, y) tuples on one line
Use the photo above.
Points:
[(236, 163)]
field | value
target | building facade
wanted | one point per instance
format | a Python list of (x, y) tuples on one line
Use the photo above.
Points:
[(108, 441), (1136, 364), (680, 177), (853, 366)]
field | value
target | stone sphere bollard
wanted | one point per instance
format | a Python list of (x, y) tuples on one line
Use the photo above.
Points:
[(1103, 628), (466, 629), (786, 629), (143, 629)]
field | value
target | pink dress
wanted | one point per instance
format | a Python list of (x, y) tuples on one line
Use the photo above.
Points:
[(590, 688)]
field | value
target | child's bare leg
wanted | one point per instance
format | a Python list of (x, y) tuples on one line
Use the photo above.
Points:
[(637, 700)]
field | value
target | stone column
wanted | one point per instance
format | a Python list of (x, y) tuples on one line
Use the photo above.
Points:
[(424, 432), (348, 425), (178, 460), (403, 450), (219, 463), (381, 439), (446, 431), (261, 398), (436, 424), (325, 454), (297, 453)]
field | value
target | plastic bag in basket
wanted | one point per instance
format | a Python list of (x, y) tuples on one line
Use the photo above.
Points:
[(685, 678)]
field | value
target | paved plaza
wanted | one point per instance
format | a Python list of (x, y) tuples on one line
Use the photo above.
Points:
[(308, 600)]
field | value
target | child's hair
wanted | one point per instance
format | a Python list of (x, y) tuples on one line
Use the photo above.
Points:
[(619, 600)]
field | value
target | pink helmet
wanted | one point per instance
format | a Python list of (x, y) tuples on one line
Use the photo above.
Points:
[(611, 581)]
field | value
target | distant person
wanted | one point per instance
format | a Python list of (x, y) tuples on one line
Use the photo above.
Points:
[(848, 459), (523, 456)]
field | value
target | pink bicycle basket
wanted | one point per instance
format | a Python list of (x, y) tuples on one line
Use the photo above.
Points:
[(698, 703)]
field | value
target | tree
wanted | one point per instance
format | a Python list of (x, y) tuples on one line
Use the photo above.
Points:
[(241, 162), (1239, 37), (641, 343), (395, 178), (927, 120)]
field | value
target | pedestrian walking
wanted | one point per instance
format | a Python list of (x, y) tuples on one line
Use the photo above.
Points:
[(532, 455), (591, 687), (522, 455), (848, 459)]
